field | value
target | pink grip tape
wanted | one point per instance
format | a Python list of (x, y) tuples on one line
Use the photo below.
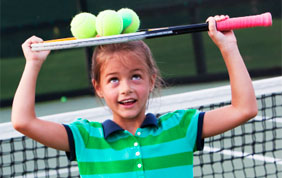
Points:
[(264, 20)]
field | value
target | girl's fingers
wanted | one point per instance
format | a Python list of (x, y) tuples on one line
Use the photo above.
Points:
[(31, 40), (211, 21), (219, 18), (35, 39)]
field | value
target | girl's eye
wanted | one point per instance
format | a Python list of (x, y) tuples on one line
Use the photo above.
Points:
[(136, 77), (114, 80)]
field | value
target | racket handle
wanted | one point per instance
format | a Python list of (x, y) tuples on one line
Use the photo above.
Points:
[(263, 20)]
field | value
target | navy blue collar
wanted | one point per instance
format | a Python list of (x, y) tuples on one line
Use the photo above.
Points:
[(111, 127)]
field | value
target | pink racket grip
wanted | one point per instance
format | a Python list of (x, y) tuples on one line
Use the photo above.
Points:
[(262, 20)]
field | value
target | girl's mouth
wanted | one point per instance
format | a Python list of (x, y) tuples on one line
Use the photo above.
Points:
[(127, 102)]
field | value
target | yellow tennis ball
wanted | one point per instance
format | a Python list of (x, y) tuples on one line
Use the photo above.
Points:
[(131, 21), (109, 22), (83, 25)]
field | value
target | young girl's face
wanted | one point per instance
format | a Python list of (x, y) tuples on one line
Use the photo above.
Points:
[(125, 85)]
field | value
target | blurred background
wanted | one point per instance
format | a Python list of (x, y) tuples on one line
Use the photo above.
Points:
[(184, 59)]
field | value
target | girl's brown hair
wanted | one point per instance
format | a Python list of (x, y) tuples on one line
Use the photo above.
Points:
[(102, 53)]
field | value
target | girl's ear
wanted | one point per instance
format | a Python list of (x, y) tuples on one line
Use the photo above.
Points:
[(97, 88), (153, 80)]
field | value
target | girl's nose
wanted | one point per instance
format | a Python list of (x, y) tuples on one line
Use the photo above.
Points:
[(125, 88)]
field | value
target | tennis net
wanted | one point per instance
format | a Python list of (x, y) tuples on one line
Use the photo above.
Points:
[(253, 149)]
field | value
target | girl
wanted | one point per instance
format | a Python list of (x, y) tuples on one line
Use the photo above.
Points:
[(134, 144)]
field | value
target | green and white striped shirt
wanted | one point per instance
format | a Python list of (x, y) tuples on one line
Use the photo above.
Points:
[(160, 148)]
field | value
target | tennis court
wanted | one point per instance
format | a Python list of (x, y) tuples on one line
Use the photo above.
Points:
[(251, 150)]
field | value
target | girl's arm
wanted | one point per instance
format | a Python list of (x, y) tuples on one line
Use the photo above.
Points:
[(23, 111), (243, 105)]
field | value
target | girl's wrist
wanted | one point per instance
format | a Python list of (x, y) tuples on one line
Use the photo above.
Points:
[(35, 65), (229, 48)]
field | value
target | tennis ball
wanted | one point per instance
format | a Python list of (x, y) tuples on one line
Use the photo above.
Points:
[(83, 25), (64, 99), (131, 21), (109, 22)]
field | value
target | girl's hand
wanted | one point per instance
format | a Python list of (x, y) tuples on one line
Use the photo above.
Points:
[(37, 57), (224, 40)]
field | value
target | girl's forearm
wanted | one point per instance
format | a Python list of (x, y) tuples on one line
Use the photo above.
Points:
[(23, 109), (243, 95)]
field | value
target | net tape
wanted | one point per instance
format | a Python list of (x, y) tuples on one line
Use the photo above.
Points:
[(253, 149)]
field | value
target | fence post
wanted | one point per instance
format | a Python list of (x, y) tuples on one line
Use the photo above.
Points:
[(197, 40)]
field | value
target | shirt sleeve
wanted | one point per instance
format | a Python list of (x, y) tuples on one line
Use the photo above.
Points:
[(193, 126), (71, 153), (77, 136), (200, 141)]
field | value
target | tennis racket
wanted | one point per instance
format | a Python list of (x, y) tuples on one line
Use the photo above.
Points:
[(225, 25)]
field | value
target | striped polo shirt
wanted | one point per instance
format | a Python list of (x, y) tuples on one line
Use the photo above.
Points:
[(161, 147)]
